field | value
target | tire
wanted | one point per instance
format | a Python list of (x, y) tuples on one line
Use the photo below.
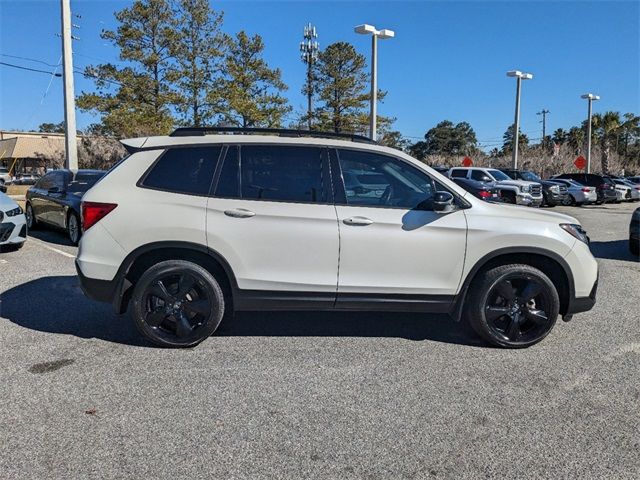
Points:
[(177, 304), (634, 247), (32, 223), (522, 303), (73, 228), (509, 197)]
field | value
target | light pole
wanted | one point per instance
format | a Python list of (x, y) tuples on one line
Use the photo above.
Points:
[(375, 34), (516, 124), (590, 97), (309, 49)]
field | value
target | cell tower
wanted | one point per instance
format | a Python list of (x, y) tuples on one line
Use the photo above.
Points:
[(309, 49)]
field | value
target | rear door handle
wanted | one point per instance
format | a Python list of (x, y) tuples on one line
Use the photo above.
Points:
[(239, 213), (358, 221)]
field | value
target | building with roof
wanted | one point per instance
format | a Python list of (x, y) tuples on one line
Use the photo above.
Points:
[(31, 152)]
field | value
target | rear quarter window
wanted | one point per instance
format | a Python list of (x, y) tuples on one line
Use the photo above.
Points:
[(458, 173), (187, 170)]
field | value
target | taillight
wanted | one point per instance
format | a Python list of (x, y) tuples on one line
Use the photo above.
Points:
[(585, 189), (484, 194), (93, 212)]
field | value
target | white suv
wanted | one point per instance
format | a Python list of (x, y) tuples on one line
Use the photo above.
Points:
[(196, 224), (521, 192)]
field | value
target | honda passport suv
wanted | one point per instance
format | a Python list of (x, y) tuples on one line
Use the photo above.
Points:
[(195, 225)]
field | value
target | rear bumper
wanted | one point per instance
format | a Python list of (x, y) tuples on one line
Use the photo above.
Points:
[(99, 290)]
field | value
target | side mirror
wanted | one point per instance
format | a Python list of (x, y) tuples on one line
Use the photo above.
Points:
[(55, 190), (487, 179), (442, 202)]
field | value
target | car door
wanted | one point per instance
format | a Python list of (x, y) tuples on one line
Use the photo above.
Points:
[(39, 197), (272, 218), (57, 200), (393, 246)]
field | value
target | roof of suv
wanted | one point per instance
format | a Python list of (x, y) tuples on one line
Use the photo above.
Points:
[(191, 136)]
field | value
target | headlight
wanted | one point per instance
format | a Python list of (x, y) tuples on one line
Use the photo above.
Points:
[(575, 230), (14, 212), (554, 188), (525, 188)]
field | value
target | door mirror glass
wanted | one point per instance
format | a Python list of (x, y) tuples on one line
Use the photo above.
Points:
[(55, 190)]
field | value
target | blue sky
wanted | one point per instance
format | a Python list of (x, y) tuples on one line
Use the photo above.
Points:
[(448, 60)]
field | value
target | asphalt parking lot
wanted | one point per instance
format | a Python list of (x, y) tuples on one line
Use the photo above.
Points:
[(315, 395)]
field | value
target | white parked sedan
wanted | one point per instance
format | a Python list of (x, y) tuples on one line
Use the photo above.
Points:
[(578, 193), (13, 224), (626, 190), (633, 187)]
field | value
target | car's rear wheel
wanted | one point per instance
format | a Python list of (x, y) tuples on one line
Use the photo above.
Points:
[(73, 228), (32, 222), (513, 306), (177, 303), (634, 246)]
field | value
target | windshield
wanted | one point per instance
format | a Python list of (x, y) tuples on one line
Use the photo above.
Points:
[(498, 175), (530, 176), (83, 182)]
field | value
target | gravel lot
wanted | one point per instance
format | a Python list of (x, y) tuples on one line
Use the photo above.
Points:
[(309, 395)]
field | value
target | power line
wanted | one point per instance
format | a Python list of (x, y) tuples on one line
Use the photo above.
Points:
[(30, 69)]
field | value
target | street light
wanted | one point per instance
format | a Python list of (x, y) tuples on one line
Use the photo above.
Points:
[(375, 34), (590, 97), (516, 132)]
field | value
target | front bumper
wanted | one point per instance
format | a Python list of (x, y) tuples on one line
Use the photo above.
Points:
[(13, 232), (529, 200), (557, 198), (582, 304)]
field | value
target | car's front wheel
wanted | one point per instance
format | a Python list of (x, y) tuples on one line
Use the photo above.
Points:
[(512, 306), (177, 303), (32, 222)]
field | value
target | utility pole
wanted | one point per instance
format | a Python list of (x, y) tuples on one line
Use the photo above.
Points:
[(70, 141), (309, 49), (544, 125)]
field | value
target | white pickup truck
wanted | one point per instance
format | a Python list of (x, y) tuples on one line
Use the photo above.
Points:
[(520, 192)]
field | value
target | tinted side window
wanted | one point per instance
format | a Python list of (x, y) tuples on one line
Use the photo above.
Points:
[(378, 180), (229, 179), (478, 175), (184, 170), (282, 173), (45, 182), (458, 173)]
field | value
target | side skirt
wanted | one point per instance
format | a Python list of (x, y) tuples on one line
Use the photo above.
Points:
[(253, 300)]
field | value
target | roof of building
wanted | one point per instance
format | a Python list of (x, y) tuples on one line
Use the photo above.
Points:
[(31, 145)]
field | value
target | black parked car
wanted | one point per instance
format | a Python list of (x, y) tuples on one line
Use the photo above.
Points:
[(634, 233), (55, 200), (605, 188), (553, 193), (482, 190)]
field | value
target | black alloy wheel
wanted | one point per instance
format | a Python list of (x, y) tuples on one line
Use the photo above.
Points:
[(177, 304), (513, 306), (73, 228)]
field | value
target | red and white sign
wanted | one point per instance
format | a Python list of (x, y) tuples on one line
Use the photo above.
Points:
[(467, 162), (580, 162)]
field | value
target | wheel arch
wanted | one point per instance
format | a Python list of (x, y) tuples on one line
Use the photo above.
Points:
[(547, 261), (143, 257)]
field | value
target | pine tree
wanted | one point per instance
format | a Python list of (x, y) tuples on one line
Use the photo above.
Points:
[(249, 95), (136, 99)]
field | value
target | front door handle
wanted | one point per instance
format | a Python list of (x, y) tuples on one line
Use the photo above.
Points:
[(358, 221), (239, 213)]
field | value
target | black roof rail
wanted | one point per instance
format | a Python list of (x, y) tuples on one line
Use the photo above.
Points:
[(281, 132)]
